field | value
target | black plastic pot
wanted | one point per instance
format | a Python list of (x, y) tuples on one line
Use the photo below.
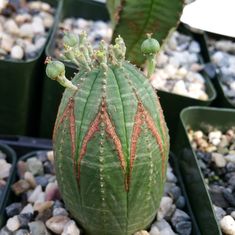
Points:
[(172, 104), (52, 92), (5, 198), (20, 90), (222, 100), (23, 144), (199, 118)]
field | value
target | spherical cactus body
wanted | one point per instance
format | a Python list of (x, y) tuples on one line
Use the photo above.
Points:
[(111, 143)]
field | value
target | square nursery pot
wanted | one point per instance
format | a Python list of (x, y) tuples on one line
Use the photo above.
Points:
[(222, 99), (199, 198), (5, 194), (172, 104), (173, 163), (52, 91), (24, 144), (21, 88)]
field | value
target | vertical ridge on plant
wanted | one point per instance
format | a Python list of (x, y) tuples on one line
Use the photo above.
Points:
[(134, 19), (110, 140)]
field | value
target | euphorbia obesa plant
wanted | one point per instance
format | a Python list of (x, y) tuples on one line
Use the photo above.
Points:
[(132, 19), (110, 139)]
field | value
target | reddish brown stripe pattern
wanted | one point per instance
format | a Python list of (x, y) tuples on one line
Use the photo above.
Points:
[(141, 117), (102, 117), (163, 124), (91, 131), (68, 114)]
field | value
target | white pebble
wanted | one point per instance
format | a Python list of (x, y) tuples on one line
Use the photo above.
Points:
[(17, 52), (4, 169), (214, 135), (27, 209), (218, 159), (26, 30), (142, 232), (71, 229), (6, 42), (11, 27), (37, 24), (13, 223), (180, 88), (227, 225), (166, 207), (154, 230), (35, 194)]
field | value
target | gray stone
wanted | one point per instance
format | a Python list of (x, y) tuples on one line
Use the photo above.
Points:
[(219, 212), (22, 232), (41, 180), (230, 158), (24, 219), (180, 203), (175, 192), (179, 216), (60, 211), (13, 209), (229, 197), (35, 166), (37, 227), (183, 227), (5, 231), (216, 193)]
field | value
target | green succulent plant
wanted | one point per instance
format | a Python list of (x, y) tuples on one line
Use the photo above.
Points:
[(133, 19), (110, 139)]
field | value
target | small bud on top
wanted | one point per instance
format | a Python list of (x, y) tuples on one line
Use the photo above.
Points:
[(55, 69), (150, 46), (70, 39)]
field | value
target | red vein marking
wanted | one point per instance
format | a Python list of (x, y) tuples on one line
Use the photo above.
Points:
[(163, 124), (110, 129), (141, 117), (68, 113), (90, 133), (152, 127), (72, 134), (112, 133), (63, 116)]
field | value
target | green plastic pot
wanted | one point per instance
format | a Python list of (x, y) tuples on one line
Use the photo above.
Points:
[(222, 100), (172, 104), (52, 91), (199, 118), (6, 196), (20, 90)]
